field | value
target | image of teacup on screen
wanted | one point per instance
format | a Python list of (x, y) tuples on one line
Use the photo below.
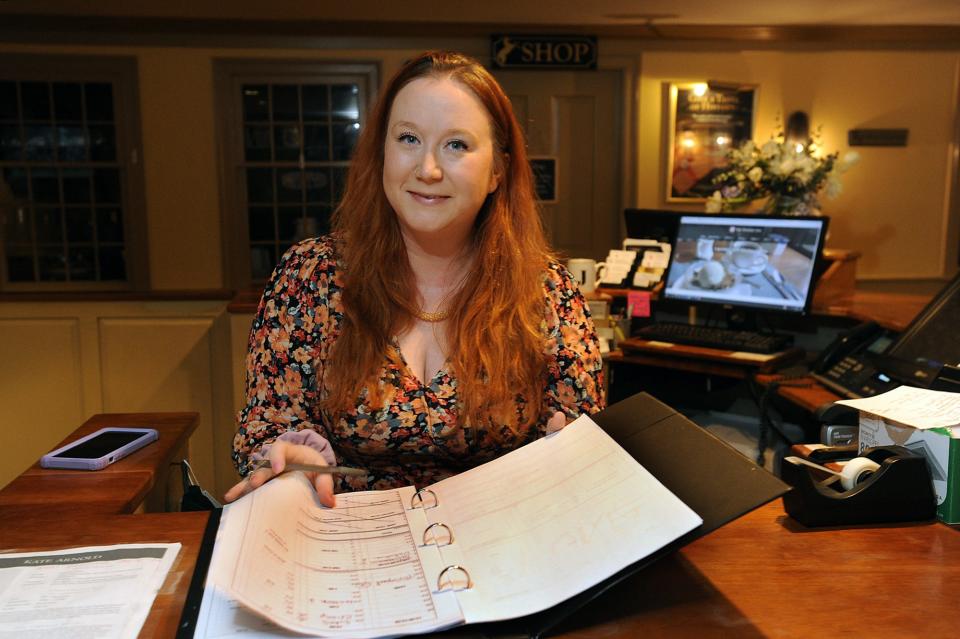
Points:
[(748, 257)]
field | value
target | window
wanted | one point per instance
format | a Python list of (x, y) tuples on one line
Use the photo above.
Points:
[(67, 128), (289, 131)]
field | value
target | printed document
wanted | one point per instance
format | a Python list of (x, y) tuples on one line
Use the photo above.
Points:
[(916, 407), (96, 591), (506, 539)]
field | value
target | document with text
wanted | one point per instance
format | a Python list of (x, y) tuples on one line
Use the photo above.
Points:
[(507, 539), (94, 591)]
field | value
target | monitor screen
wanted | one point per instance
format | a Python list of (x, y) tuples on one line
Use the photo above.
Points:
[(652, 224), (762, 262), (929, 342)]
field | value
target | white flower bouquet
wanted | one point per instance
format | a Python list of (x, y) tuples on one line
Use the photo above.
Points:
[(788, 175)]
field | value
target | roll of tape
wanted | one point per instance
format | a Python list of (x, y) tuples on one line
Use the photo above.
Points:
[(856, 471)]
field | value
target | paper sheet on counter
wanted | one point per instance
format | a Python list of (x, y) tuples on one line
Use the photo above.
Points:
[(917, 407), (95, 591)]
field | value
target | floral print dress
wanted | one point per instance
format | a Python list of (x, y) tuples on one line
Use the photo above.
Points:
[(414, 436)]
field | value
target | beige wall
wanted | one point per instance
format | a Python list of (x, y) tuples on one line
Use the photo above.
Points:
[(895, 203)]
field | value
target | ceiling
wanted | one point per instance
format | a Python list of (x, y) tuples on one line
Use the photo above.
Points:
[(560, 12), (652, 19)]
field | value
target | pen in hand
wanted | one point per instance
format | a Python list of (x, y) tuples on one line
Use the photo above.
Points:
[(313, 468)]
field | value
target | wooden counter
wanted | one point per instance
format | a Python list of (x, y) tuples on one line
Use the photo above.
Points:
[(121, 487), (762, 575)]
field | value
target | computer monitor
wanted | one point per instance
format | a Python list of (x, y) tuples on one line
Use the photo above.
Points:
[(652, 224), (929, 342), (757, 262)]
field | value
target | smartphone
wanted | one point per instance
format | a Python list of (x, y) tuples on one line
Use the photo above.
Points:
[(100, 449)]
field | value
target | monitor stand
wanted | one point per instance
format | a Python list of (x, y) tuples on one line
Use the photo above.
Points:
[(739, 319)]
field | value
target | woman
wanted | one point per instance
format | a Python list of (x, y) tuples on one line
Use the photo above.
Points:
[(432, 330)]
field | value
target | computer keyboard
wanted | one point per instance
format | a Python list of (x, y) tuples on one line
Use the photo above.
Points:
[(719, 338)]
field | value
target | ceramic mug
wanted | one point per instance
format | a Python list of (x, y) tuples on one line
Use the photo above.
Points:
[(748, 256), (586, 272)]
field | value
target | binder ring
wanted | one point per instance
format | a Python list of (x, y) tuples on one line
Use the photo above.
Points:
[(435, 541), (419, 495), (453, 567)]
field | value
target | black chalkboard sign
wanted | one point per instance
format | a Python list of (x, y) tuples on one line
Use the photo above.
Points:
[(545, 178)]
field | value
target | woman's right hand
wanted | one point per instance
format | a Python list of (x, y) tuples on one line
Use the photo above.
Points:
[(280, 454)]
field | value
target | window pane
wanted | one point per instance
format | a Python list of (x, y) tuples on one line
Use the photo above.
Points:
[(67, 101), (8, 101), (290, 224), (71, 144), (20, 265), (285, 102), (76, 185), (316, 102), (82, 262), (109, 225), (256, 105), (36, 100), (79, 225), (10, 147), (288, 186), (344, 139), (317, 183), (52, 263), (99, 101), (286, 142), (106, 186), (263, 259), (321, 215), (39, 145), (260, 185), (339, 182), (44, 185), (103, 143), (17, 229), (16, 179), (316, 143), (256, 144), (345, 99), (261, 223), (48, 226), (113, 264)]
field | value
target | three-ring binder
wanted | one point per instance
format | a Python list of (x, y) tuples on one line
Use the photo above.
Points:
[(448, 569), (436, 542), (419, 495)]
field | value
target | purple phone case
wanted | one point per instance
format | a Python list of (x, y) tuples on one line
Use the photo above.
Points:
[(78, 463)]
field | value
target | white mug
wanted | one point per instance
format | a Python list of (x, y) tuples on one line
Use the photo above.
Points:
[(586, 272)]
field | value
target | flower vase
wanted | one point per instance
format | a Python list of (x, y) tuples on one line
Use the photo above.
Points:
[(806, 204)]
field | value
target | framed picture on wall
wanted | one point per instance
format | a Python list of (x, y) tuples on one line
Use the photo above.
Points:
[(706, 120)]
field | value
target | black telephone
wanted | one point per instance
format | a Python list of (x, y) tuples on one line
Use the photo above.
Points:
[(846, 364)]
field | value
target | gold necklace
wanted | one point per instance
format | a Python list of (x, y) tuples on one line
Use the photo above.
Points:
[(439, 316)]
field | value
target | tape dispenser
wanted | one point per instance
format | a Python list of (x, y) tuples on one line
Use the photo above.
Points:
[(884, 484)]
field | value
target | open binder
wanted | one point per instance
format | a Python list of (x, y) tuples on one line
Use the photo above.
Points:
[(714, 484)]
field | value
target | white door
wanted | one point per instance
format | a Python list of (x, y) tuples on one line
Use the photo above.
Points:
[(575, 116)]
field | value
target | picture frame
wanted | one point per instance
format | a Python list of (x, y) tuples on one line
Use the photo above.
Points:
[(706, 119)]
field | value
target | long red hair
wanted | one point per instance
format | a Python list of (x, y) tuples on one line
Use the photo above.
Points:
[(495, 329)]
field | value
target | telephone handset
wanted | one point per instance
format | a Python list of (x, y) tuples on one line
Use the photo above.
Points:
[(847, 343), (846, 366)]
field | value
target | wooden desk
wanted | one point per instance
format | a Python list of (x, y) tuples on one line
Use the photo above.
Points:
[(805, 392), (695, 359), (139, 478), (762, 575)]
